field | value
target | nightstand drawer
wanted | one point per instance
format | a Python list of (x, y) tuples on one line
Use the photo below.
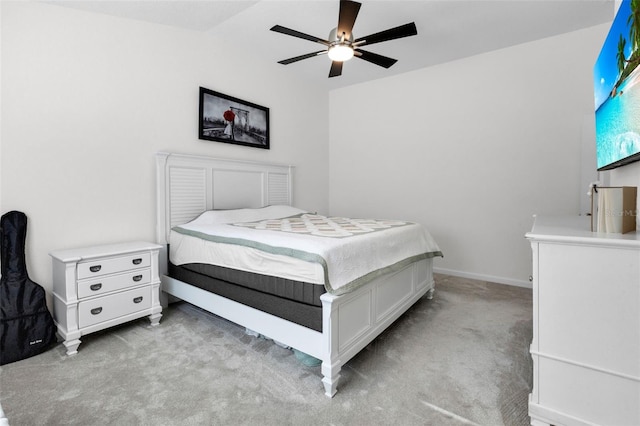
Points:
[(103, 285), (112, 265), (113, 306)]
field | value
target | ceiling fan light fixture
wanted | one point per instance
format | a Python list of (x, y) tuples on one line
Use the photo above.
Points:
[(340, 52)]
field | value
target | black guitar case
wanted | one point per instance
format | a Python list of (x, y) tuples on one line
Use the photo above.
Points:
[(26, 326)]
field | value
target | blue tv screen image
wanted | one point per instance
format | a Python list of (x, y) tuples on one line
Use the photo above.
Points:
[(616, 76)]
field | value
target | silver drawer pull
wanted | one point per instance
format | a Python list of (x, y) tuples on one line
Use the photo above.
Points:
[(137, 299), (95, 287), (137, 261), (96, 311), (137, 278), (95, 268)]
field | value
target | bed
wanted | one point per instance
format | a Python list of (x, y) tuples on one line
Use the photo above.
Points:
[(214, 216)]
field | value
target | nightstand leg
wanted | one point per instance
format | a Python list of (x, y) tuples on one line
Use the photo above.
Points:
[(72, 346), (154, 319)]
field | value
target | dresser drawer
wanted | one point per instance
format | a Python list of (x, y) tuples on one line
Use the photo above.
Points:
[(94, 287), (105, 266), (102, 309)]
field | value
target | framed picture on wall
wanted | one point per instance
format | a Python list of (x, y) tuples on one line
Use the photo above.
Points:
[(224, 118)]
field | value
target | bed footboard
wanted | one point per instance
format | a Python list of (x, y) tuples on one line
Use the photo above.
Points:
[(353, 320)]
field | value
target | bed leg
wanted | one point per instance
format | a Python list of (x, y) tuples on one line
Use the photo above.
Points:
[(331, 373), (430, 293)]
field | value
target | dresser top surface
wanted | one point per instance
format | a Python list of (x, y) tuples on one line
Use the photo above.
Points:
[(577, 229), (85, 253)]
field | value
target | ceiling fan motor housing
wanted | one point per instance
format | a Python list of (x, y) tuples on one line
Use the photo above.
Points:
[(335, 38)]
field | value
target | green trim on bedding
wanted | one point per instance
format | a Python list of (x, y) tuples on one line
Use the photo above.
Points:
[(285, 251), (309, 257), (379, 272)]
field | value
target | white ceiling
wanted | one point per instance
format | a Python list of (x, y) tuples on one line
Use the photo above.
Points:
[(447, 29)]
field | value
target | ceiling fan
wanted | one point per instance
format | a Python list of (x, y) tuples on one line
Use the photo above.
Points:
[(341, 45)]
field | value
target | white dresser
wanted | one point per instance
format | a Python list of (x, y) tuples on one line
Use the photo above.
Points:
[(102, 286), (586, 324)]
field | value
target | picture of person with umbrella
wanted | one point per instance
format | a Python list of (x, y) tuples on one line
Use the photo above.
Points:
[(229, 117)]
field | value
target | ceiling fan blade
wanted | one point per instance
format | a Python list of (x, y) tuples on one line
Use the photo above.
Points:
[(301, 57), (405, 30), (336, 69), (294, 33), (347, 17), (374, 58)]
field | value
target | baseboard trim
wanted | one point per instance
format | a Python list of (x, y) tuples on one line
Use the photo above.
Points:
[(482, 277)]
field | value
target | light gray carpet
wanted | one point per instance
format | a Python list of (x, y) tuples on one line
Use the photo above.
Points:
[(461, 358)]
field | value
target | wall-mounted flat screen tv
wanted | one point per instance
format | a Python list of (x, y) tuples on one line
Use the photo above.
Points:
[(617, 91)]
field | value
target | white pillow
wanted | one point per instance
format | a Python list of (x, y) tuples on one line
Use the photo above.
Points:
[(211, 217)]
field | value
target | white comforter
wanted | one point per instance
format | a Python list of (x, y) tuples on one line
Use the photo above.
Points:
[(234, 239)]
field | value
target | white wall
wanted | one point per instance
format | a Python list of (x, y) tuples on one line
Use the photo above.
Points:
[(87, 100), (471, 149)]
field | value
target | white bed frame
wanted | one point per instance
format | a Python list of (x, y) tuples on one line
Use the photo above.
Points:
[(189, 185)]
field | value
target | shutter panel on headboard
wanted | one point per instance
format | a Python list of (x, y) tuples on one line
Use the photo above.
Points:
[(278, 189), (188, 189)]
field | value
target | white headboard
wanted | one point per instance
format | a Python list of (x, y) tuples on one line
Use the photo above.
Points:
[(187, 185)]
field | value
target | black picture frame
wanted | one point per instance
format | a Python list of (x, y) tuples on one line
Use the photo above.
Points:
[(227, 119)]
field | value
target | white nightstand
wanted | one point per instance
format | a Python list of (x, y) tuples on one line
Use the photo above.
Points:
[(98, 287)]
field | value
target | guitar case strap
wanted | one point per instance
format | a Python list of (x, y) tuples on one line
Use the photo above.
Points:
[(26, 326)]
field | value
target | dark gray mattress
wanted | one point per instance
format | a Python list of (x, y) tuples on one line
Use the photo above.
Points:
[(294, 301)]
